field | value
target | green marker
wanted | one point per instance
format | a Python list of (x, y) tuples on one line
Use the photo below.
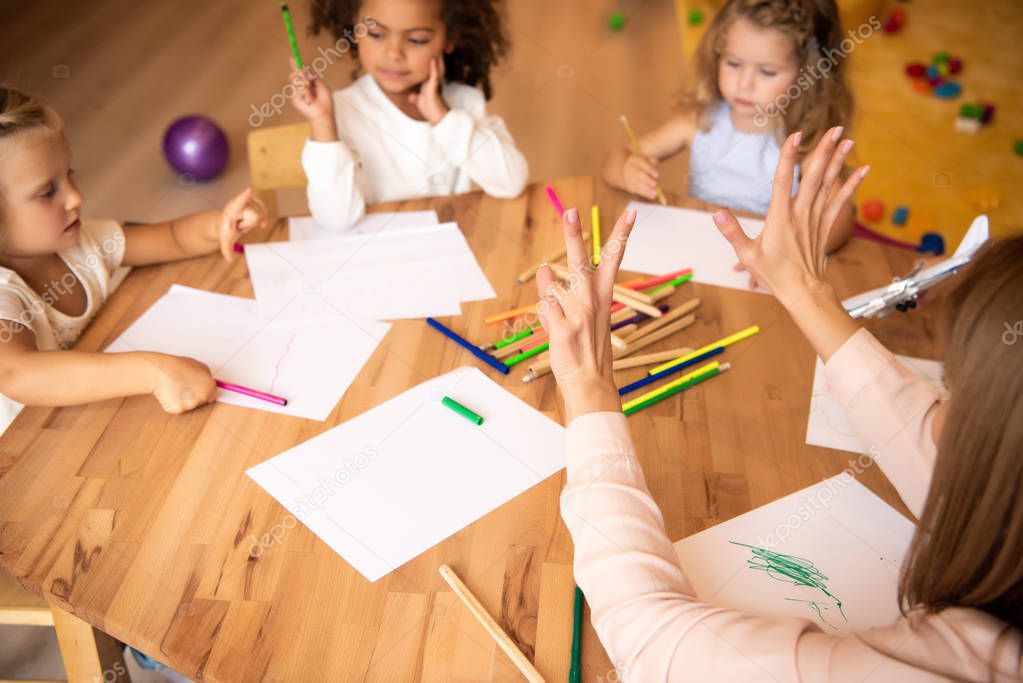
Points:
[(574, 671), (291, 34), (462, 410), (511, 340)]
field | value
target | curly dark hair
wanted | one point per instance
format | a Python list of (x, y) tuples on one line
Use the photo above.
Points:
[(474, 27)]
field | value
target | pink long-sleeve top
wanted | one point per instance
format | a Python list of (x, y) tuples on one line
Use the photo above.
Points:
[(653, 626)]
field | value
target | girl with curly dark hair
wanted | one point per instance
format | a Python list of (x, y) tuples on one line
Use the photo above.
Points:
[(415, 123)]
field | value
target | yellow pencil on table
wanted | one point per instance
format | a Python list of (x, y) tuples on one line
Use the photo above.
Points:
[(730, 339), (595, 228), (639, 152)]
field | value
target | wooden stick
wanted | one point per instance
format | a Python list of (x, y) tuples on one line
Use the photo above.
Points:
[(622, 314), (633, 294), (543, 367), (640, 306), (662, 294), (529, 273), (671, 316), (625, 330), (650, 358), (523, 664), (657, 336), (617, 342), (513, 348)]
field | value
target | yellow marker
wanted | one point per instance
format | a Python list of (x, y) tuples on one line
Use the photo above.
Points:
[(738, 336), (703, 369), (638, 151), (595, 225)]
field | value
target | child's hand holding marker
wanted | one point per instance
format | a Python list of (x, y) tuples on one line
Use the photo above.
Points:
[(429, 99), (180, 384), (577, 319), (241, 214)]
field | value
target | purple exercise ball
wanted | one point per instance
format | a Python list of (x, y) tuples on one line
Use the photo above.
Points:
[(196, 147)]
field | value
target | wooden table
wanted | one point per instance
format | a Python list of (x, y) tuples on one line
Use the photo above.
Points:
[(142, 523)]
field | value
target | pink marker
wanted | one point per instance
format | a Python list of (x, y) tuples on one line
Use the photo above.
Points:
[(270, 398), (239, 248), (555, 201)]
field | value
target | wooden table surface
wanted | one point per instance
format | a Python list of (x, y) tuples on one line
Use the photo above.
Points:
[(144, 524)]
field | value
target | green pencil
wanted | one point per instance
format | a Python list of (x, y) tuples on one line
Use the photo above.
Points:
[(672, 283), (574, 671), (535, 351), (291, 35), (500, 344), (674, 390)]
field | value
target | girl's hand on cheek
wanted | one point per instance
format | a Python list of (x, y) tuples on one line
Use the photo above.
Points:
[(429, 100)]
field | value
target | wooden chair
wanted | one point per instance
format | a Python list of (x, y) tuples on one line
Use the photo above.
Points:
[(275, 161), (89, 655)]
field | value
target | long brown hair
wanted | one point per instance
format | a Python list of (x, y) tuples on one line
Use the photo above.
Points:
[(815, 34), (968, 550)]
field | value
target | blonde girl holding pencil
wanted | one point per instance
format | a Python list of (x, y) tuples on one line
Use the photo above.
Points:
[(955, 462), (763, 69), (56, 269)]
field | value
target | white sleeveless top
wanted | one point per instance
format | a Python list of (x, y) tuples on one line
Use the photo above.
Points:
[(731, 168)]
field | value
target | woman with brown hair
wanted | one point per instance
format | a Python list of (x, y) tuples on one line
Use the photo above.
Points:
[(957, 463)]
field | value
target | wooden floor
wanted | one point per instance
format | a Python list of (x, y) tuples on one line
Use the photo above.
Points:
[(119, 71)]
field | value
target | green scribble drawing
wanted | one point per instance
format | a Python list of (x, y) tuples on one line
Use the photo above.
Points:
[(799, 572)]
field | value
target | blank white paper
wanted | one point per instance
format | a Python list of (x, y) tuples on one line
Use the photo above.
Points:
[(310, 365), (667, 238), (391, 483), (847, 544), (392, 274), (305, 228), (828, 425)]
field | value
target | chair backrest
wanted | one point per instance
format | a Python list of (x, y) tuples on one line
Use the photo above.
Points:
[(275, 161)]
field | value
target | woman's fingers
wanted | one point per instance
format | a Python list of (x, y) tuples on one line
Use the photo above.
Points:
[(578, 256), (839, 201), (547, 308), (729, 227), (613, 251), (831, 174), (813, 170), (781, 189)]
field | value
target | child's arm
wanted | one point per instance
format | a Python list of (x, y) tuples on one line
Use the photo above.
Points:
[(335, 200), (479, 145), (64, 378), (194, 235), (638, 173)]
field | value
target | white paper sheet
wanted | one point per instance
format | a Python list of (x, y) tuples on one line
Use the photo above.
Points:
[(828, 425), (389, 484), (855, 541), (310, 365), (406, 273), (668, 238), (305, 228)]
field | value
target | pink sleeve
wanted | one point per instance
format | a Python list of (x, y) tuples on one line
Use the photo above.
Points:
[(643, 608), (891, 411)]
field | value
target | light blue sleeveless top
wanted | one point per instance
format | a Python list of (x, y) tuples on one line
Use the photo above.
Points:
[(733, 169)]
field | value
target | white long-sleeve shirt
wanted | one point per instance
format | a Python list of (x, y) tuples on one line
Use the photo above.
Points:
[(646, 612), (383, 155)]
